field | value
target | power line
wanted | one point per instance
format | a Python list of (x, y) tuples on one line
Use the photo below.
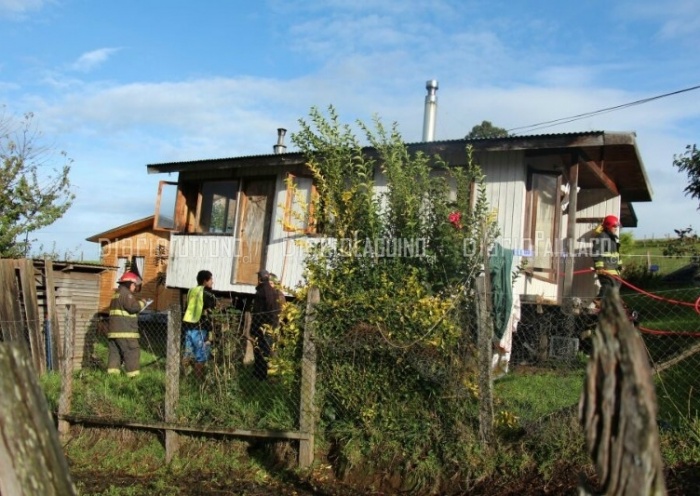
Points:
[(565, 120)]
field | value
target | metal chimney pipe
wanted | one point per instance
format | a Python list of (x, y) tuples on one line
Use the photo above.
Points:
[(430, 110), (280, 147)]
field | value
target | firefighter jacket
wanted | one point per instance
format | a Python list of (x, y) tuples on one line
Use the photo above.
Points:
[(606, 253), (123, 314)]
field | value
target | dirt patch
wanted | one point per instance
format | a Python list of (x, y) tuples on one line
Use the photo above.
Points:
[(682, 480)]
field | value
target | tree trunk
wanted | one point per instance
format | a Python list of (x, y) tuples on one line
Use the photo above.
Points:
[(31, 459), (618, 408)]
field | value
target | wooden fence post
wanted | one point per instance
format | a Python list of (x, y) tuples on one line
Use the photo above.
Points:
[(31, 458), (307, 410), (66, 396), (51, 315), (618, 408), (485, 347), (172, 381)]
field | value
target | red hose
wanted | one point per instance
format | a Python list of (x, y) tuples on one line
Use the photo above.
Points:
[(695, 306)]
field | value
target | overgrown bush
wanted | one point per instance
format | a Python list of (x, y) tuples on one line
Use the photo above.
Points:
[(395, 333)]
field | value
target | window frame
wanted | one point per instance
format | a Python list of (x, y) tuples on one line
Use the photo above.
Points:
[(289, 222), (235, 201), (550, 273), (157, 216)]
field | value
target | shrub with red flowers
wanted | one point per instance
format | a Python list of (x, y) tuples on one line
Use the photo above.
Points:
[(456, 219), (401, 321)]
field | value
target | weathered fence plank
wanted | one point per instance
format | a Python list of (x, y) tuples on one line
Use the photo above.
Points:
[(31, 313), (31, 459), (485, 347), (66, 396), (53, 331), (307, 410), (172, 382), (176, 427), (618, 408), (10, 313)]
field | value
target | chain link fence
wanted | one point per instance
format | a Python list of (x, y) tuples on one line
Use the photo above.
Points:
[(548, 340), (264, 380), (241, 385)]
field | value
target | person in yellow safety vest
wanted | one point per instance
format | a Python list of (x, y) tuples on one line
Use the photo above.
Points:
[(123, 333), (606, 255), (197, 323)]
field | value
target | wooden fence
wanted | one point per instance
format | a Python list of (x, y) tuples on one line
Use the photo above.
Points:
[(33, 299), (304, 435)]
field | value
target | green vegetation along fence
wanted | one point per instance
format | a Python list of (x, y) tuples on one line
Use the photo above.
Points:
[(367, 393)]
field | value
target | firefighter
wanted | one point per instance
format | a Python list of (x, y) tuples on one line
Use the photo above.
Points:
[(606, 255), (123, 334)]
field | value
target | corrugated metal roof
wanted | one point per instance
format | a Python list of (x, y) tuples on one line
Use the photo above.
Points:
[(411, 144)]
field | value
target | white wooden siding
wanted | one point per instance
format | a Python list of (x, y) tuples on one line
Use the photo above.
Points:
[(190, 254), (601, 204), (505, 184)]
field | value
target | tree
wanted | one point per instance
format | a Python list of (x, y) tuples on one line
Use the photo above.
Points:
[(686, 244), (34, 191), (626, 242), (689, 162), (486, 130)]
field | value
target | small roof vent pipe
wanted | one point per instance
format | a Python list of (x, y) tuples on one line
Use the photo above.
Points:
[(280, 147), (430, 110)]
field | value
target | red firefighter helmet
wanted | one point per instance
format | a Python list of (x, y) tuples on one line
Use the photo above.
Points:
[(130, 277), (611, 221)]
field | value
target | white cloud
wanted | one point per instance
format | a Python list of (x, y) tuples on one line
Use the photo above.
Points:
[(17, 9), (677, 19), (90, 60), (374, 59)]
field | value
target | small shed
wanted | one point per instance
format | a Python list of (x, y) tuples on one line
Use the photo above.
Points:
[(34, 298), (137, 247)]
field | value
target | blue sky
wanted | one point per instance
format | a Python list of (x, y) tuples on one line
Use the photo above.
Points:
[(118, 85)]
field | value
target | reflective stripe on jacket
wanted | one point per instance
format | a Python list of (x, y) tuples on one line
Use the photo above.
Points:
[(123, 314), (606, 253)]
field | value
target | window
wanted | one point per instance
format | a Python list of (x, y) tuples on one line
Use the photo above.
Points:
[(129, 264), (300, 204), (218, 207), (165, 207), (543, 218)]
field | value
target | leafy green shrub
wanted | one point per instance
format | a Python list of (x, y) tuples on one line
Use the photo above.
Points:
[(395, 325)]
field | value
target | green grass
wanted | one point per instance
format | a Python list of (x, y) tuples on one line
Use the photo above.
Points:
[(534, 395), (662, 310), (422, 440), (234, 398), (650, 252), (427, 442)]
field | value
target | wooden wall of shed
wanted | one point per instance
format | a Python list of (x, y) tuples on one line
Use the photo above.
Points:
[(79, 289), (143, 244)]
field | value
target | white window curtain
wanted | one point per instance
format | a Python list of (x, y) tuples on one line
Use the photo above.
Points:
[(545, 190), (140, 264), (121, 268)]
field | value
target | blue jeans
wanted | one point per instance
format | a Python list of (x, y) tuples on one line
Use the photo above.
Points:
[(196, 346)]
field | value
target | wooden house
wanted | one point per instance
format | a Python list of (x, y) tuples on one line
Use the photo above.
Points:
[(232, 215), (137, 247)]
